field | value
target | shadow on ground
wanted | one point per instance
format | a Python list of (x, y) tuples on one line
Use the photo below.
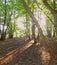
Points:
[(28, 54)]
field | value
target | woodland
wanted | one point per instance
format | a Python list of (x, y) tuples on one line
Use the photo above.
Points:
[(28, 32)]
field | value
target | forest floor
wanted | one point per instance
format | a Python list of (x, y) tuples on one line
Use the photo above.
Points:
[(22, 51)]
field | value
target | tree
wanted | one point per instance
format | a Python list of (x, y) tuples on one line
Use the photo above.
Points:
[(3, 33), (33, 25), (53, 11), (27, 25), (34, 21)]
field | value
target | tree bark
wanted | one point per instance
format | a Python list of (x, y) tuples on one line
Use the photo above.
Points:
[(33, 31), (55, 24), (27, 26)]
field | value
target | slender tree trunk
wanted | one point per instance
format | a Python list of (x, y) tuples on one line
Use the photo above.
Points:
[(27, 26), (33, 25), (10, 26), (11, 34), (3, 34), (55, 20), (53, 33), (55, 24), (49, 33), (33, 31)]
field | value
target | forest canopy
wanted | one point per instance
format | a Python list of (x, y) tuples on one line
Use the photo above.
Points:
[(40, 15)]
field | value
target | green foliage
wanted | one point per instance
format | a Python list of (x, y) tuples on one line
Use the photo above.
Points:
[(17, 6), (53, 3)]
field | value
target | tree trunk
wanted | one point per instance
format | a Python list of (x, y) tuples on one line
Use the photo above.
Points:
[(3, 33), (11, 34), (53, 33), (9, 25), (35, 21), (33, 31), (27, 26), (55, 23), (49, 33)]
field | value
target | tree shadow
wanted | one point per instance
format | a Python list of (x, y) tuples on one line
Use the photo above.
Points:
[(29, 54), (11, 44)]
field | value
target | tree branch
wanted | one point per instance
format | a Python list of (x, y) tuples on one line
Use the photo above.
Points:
[(44, 12), (49, 7)]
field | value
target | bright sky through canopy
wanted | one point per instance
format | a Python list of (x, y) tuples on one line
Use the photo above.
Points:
[(42, 21)]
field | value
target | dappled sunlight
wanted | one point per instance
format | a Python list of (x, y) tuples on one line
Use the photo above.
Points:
[(28, 32), (26, 38), (9, 56), (45, 56), (26, 46), (37, 43)]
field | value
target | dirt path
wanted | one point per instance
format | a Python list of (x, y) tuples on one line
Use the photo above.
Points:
[(24, 52), (10, 44), (13, 50)]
